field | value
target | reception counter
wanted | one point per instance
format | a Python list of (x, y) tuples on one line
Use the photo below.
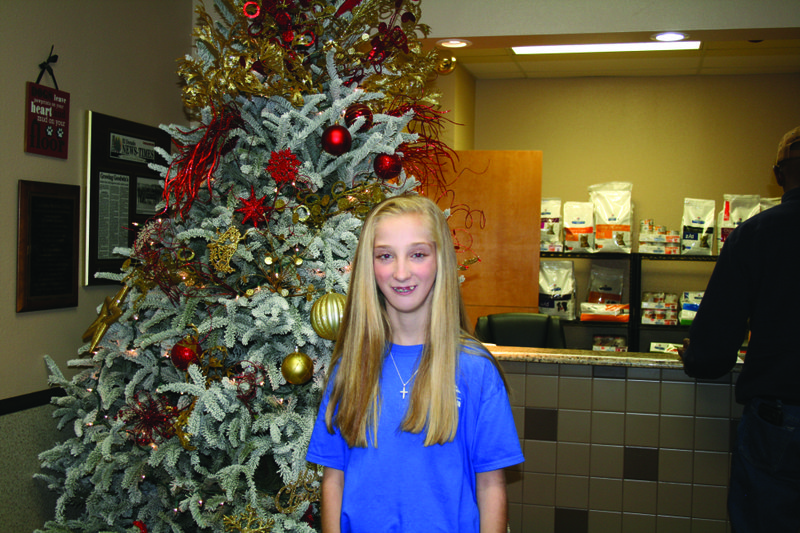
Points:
[(585, 357), (617, 442)]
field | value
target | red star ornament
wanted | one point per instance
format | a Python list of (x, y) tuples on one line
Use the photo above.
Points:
[(253, 208)]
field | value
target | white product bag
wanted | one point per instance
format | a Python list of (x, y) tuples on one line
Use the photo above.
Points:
[(578, 227), (697, 237), (613, 213)]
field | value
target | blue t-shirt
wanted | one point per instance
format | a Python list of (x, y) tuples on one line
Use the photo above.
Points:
[(403, 486)]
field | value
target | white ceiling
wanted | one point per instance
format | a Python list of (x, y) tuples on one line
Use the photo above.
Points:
[(721, 53)]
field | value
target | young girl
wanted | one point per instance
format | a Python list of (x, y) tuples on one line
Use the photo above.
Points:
[(415, 426)]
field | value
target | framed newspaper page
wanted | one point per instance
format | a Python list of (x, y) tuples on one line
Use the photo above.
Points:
[(121, 189)]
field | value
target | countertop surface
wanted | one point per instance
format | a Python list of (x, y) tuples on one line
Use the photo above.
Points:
[(585, 357)]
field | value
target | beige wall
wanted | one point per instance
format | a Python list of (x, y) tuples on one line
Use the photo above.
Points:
[(115, 57), (672, 137)]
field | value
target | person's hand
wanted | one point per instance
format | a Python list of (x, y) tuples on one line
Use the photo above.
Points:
[(683, 348)]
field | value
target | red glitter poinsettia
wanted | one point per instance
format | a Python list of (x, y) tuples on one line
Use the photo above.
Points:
[(253, 208), (283, 167), (151, 419)]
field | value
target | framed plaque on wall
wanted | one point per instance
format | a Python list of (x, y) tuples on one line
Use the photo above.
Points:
[(121, 189)]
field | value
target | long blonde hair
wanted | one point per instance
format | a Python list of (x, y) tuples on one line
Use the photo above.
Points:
[(365, 334)]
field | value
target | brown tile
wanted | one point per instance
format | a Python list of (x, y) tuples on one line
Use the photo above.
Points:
[(514, 485), (639, 496), (670, 374), (642, 396), (675, 465), (515, 516), (640, 463), (541, 424), (573, 458), (676, 432), (675, 499), (641, 430), (572, 491), (644, 373), (571, 521), (606, 461), (542, 369), (638, 523), (584, 371), (575, 393), (518, 413), (516, 385), (539, 489), (673, 524), (537, 519), (709, 526), (711, 468), (608, 395), (677, 398), (608, 428), (605, 494), (709, 502), (712, 434), (541, 391), (613, 372), (605, 522), (713, 400), (574, 426), (540, 456)]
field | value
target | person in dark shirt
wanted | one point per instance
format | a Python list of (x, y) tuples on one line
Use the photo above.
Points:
[(755, 287)]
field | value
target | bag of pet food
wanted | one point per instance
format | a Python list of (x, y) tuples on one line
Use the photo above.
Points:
[(613, 214), (766, 203), (605, 285), (557, 292), (578, 227), (550, 229), (697, 237), (736, 208)]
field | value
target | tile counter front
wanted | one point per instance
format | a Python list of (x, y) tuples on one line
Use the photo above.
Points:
[(617, 443)]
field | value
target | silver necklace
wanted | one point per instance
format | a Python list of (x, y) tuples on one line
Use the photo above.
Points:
[(404, 391)]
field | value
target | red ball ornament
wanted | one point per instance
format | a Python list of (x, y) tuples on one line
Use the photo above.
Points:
[(387, 166), (336, 140), (185, 353), (356, 111)]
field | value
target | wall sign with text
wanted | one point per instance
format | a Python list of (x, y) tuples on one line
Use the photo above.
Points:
[(46, 121)]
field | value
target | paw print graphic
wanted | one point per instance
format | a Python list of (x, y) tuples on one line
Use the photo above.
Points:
[(60, 132), (49, 131)]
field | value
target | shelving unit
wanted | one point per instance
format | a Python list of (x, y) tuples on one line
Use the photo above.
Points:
[(634, 328)]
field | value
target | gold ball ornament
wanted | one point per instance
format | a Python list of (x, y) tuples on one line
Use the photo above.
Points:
[(326, 315), (446, 65), (297, 368)]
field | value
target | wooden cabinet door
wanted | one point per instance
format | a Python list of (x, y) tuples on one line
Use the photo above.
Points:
[(506, 187)]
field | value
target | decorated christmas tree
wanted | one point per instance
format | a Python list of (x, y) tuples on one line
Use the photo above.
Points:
[(200, 379)]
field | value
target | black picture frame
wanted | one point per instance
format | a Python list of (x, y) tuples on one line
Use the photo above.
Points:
[(120, 188), (48, 243)]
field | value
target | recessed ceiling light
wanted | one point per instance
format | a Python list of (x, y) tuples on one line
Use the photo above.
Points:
[(670, 36), (453, 43), (608, 47)]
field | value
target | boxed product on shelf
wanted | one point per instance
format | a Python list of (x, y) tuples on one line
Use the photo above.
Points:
[(655, 239), (686, 317), (609, 343), (664, 347), (605, 312), (690, 300), (659, 308)]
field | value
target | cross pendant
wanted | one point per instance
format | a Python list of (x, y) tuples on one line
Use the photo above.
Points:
[(404, 391)]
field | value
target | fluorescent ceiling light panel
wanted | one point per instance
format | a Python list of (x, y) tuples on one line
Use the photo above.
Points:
[(612, 47)]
